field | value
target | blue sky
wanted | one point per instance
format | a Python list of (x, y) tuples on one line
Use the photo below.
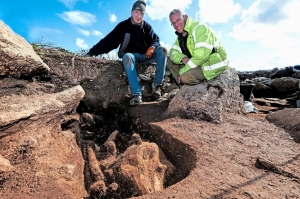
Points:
[(257, 34)]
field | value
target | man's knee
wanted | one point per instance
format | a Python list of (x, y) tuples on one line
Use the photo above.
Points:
[(189, 79), (127, 59)]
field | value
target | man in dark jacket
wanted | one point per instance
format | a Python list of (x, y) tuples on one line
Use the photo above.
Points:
[(138, 43)]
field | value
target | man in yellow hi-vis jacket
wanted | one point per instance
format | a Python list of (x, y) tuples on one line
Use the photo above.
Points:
[(196, 54)]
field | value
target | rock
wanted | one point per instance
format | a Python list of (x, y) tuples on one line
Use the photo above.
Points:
[(209, 100), (112, 137), (244, 75), (276, 83), (139, 170), (5, 165), (15, 109), (275, 88), (136, 139), (32, 127), (67, 171), (287, 118), (88, 119), (285, 72), (287, 84), (17, 56), (111, 149), (30, 142)]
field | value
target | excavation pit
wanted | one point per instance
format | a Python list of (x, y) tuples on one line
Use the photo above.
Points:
[(109, 142)]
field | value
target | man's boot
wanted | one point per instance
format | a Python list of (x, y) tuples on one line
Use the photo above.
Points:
[(156, 90)]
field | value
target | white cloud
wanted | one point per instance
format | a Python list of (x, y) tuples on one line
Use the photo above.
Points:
[(112, 18), (84, 32), (71, 3), (167, 46), (160, 9), (219, 35), (39, 33), (81, 44), (88, 33), (112, 55), (267, 60), (272, 23), (285, 57), (78, 17), (96, 32), (217, 11), (278, 31), (242, 64)]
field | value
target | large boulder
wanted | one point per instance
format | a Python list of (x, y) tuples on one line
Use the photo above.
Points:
[(209, 100), (287, 118), (17, 56), (285, 84), (16, 109)]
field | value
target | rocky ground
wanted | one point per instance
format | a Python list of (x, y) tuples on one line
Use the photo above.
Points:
[(244, 156)]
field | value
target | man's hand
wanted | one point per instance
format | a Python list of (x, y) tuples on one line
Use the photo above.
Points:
[(150, 52), (90, 54), (185, 60)]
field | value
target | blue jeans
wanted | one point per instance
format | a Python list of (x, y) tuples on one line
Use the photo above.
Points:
[(129, 62)]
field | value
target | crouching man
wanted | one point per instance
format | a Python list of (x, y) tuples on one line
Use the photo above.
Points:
[(196, 54)]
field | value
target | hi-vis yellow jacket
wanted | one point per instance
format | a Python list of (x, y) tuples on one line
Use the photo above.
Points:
[(200, 43)]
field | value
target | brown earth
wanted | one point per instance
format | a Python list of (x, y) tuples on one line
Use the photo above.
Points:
[(245, 156)]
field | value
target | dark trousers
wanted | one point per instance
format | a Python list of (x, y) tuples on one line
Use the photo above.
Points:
[(191, 77)]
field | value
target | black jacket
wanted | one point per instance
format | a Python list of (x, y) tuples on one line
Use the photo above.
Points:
[(142, 37)]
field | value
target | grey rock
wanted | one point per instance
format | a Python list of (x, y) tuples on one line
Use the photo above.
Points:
[(17, 55), (209, 100)]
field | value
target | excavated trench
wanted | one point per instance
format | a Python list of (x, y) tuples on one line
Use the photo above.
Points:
[(97, 126)]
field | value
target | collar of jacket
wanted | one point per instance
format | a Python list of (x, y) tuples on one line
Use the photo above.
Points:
[(184, 33), (132, 22), (187, 26)]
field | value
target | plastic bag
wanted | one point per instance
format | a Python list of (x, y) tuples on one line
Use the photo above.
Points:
[(249, 108)]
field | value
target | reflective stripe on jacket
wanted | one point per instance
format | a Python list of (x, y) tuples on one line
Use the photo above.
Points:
[(200, 42)]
